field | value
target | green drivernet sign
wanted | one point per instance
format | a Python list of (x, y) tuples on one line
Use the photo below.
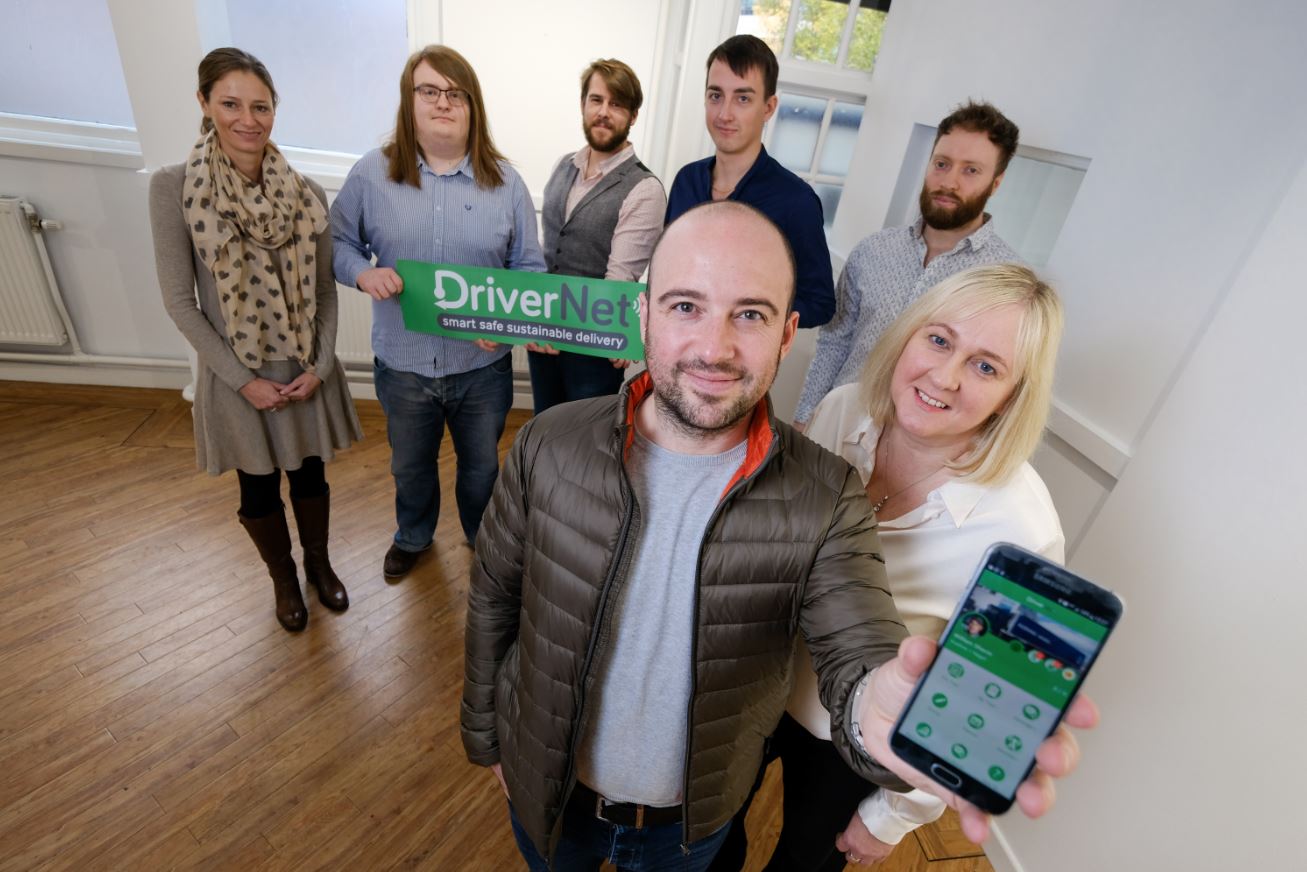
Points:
[(571, 313)]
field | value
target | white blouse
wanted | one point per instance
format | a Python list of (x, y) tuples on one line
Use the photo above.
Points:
[(930, 554)]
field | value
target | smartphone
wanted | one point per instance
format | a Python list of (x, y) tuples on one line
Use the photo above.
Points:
[(1009, 662)]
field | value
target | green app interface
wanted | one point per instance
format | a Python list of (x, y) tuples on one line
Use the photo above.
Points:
[(1008, 667)]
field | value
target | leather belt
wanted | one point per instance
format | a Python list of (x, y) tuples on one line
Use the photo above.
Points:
[(624, 814)]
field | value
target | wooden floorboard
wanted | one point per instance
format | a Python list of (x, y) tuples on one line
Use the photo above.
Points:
[(154, 715)]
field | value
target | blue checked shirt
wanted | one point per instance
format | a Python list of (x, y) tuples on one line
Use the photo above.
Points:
[(448, 220)]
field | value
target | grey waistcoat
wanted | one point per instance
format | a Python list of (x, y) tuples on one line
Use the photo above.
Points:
[(580, 246)]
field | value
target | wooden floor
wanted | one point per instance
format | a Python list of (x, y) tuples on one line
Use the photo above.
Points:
[(154, 715)]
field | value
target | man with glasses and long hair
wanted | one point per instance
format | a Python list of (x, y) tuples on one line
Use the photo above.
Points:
[(438, 192)]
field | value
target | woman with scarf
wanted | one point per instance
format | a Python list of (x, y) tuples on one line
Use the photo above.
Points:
[(244, 259)]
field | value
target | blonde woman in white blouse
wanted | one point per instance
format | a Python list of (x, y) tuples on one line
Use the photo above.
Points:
[(950, 406)]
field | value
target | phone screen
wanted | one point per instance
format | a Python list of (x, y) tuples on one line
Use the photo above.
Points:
[(1008, 666)]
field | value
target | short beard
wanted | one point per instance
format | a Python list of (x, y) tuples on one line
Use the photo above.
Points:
[(692, 422), (681, 413), (614, 144), (951, 219)]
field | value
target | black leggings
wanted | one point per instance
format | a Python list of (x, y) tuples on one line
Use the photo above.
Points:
[(261, 494)]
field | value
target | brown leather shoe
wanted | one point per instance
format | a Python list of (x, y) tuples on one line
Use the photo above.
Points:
[(399, 562), (312, 517), (272, 537)]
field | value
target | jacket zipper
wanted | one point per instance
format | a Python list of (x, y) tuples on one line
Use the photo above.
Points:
[(600, 622), (694, 638)]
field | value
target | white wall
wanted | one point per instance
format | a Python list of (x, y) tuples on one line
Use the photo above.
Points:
[(529, 57), (102, 256), (1199, 764)]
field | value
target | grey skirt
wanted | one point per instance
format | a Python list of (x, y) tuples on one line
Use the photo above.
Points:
[(232, 434)]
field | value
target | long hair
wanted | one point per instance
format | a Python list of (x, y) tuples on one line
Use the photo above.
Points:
[(1012, 433), (222, 61), (402, 150)]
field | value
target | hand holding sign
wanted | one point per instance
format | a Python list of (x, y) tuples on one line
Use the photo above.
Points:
[(380, 283), (542, 348), (568, 313)]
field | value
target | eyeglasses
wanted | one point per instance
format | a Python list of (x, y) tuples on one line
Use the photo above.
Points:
[(431, 94)]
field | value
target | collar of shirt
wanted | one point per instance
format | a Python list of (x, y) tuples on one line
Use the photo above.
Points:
[(606, 165), (982, 237), (759, 164), (464, 166), (957, 497)]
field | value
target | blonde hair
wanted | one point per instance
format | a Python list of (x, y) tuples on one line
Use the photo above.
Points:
[(402, 150), (1011, 434)]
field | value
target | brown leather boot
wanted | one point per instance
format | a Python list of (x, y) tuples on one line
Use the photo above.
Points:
[(272, 537), (312, 516)]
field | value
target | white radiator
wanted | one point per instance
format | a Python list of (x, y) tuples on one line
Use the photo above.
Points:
[(354, 333), (29, 297)]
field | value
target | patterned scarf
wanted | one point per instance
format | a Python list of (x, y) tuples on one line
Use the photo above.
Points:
[(260, 242)]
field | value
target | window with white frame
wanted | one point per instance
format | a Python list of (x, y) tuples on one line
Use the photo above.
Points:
[(59, 59), (827, 49)]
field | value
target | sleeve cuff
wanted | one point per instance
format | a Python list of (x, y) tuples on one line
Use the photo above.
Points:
[(891, 816), (884, 826)]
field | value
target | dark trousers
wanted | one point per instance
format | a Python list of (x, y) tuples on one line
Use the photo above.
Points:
[(587, 842), (474, 405), (821, 794), (261, 494), (565, 377)]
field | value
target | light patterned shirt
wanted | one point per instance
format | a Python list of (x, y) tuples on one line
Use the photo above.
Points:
[(882, 277), (450, 219)]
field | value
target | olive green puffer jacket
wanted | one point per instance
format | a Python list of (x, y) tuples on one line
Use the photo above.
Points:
[(791, 548)]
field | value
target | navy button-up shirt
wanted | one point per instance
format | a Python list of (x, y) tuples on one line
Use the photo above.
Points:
[(792, 204)]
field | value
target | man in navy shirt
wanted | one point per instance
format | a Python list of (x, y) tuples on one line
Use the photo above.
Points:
[(740, 97)]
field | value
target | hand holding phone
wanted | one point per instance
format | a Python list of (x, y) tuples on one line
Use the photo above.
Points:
[(887, 695), (982, 726)]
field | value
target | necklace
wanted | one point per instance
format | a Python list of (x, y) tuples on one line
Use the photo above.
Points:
[(875, 509), (724, 191)]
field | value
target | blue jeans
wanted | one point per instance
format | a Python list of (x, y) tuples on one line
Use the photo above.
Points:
[(564, 377), (475, 405), (587, 842)]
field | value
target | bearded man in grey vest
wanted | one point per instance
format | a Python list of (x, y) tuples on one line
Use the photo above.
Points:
[(603, 213)]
